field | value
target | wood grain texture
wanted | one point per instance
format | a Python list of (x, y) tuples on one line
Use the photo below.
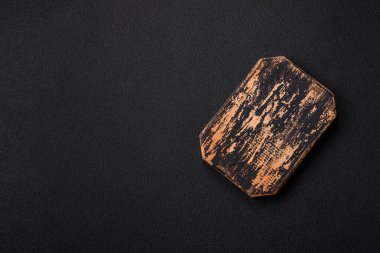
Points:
[(267, 126)]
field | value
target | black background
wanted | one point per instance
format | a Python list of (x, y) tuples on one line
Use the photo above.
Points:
[(102, 103)]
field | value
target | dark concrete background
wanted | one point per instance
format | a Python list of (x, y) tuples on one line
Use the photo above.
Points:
[(102, 103)]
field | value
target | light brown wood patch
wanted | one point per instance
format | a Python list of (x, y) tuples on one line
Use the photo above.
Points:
[(267, 126)]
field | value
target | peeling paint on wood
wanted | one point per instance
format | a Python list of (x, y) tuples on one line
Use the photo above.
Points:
[(267, 126)]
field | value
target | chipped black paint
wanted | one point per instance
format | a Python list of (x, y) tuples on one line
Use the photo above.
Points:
[(265, 128)]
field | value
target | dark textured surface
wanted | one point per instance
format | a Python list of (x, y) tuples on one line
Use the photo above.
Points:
[(102, 103), (267, 126)]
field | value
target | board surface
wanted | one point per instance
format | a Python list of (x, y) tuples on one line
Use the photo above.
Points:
[(267, 126)]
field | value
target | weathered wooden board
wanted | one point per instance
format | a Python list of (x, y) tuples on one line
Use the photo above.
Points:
[(267, 126)]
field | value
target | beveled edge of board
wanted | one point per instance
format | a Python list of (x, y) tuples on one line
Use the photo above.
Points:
[(279, 59)]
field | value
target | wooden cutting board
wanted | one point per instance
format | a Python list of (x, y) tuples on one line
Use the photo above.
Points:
[(267, 126)]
